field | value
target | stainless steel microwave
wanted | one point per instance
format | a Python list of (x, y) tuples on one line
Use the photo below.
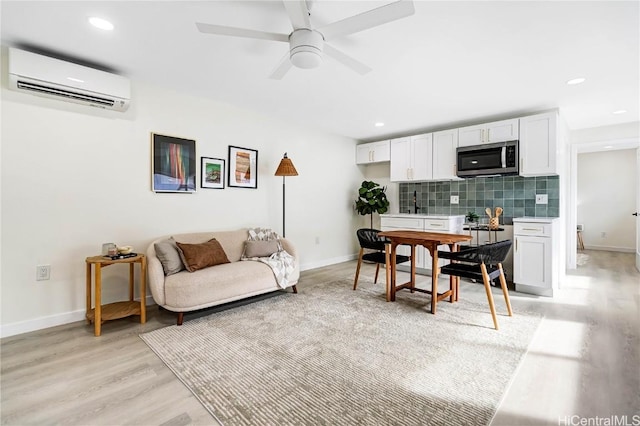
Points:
[(491, 159)]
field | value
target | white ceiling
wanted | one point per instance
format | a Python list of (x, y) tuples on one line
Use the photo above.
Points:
[(451, 63)]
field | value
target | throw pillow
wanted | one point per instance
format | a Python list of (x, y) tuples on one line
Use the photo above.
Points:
[(167, 253), (260, 248), (199, 256)]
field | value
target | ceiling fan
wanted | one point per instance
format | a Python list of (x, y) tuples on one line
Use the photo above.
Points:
[(307, 44)]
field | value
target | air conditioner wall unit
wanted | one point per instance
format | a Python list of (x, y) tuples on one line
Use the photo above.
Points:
[(53, 78)]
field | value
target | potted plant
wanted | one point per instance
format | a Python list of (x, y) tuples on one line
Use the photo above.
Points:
[(471, 217), (371, 199)]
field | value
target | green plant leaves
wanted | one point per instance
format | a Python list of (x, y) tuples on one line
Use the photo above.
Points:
[(372, 199)]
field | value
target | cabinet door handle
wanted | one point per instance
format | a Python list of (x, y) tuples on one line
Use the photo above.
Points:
[(482, 136), (488, 135), (516, 244)]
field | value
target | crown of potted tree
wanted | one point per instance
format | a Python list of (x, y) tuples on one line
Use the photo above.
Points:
[(371, 199)]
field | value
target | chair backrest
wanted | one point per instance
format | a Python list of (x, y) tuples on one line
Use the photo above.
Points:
[(369, 239), (489, 254)]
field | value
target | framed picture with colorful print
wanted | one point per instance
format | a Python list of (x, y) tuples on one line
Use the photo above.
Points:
[(173, 164), (212, 173), (243, 167)]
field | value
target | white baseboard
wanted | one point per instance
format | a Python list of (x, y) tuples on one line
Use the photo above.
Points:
[(41, 323), (610, 248), (21, 327), (327, 262)]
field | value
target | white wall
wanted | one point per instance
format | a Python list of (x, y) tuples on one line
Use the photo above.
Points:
[(606, 197), (74, 177)]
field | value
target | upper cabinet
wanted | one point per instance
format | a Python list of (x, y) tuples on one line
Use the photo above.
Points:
[(444, 154), (374, 152), (498, 131), (411, 158), (538, 144)]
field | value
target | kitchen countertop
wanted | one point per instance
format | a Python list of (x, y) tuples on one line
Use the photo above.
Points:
[(421, 216), (535, 219)]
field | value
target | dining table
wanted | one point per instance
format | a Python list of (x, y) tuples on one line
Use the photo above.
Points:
[(430, 241)]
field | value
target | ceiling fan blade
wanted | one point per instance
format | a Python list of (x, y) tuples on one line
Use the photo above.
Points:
[(283, 67), (298, 13), (369, 19), (346, 60), (240, 32)]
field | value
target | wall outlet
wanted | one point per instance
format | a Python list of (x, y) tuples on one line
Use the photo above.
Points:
[(317, 240), (542, 199), (43, 272), (603, 235), (455, 199)]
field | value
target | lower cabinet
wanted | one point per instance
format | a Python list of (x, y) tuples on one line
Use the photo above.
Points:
[(444, 224), (399, 223), (535, 256)]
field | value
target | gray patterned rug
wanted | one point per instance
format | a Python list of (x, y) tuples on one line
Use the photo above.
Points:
[(333, 356)]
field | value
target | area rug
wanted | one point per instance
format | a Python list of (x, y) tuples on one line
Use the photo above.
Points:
[(333, 356)]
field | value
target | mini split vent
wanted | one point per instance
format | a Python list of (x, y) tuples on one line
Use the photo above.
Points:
[(53, 78)]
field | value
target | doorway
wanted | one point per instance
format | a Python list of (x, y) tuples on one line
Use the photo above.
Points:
[(605, 197)]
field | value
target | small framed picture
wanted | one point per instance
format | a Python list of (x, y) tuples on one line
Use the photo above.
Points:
[(243, 167), (212, 173), (173, 164)]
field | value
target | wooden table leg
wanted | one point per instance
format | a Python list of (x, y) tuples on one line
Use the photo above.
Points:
[(143, 290), (88, 291), (131, 282), (387, 270), (413, 268), (434, 278), (392, 290), (452, 280), (97, 318)]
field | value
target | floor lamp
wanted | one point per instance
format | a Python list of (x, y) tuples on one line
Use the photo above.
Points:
[(286, 168)]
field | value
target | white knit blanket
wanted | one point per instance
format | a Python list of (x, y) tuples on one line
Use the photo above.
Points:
[(281, 263)]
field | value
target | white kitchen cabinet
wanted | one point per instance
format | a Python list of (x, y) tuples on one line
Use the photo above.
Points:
[(535, 255), (404, 222), (444, 224), (411, 158), (444, 154), (374, 152), (497, 131), (538, 144)]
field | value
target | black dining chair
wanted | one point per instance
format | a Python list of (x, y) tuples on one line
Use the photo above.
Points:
[(480, 263), (370, 240)]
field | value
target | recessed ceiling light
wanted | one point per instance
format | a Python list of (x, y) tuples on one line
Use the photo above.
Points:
[(620, 111), (576, 80), (379, 124), (77, 80), (608, 147), (103, 24)]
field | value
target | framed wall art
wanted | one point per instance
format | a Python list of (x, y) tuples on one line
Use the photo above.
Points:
[(173, 164), (243, 167), (212, 173)]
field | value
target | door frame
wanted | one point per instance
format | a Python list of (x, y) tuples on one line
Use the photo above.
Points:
[(572, 217)]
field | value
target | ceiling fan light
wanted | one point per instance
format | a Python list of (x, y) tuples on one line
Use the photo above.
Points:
[(305, 48), (303, 57)]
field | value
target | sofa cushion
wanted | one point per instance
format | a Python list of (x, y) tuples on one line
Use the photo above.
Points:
[(199, 256), (167, 253), (221, 284), (260, 248)]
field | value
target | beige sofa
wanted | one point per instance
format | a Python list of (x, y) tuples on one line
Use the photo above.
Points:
[(189, 291)]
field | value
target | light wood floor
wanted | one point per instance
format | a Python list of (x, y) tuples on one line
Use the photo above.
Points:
[(584, 360)]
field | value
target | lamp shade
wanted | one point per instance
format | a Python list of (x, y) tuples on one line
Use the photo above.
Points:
[(286, 167)]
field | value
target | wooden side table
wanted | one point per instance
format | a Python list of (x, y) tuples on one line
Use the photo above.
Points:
[(116, 310)]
